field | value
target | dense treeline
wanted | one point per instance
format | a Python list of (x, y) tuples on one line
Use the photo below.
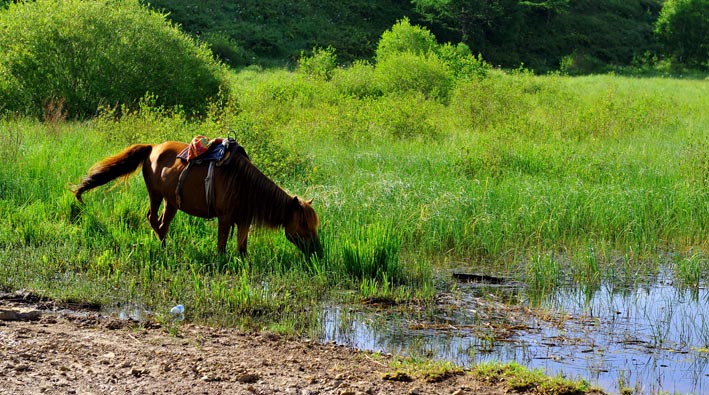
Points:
[(579, 35), (574, 36), (72, 57)]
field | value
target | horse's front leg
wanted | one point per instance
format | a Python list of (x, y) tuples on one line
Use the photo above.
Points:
[(224, 226), (242, 236)]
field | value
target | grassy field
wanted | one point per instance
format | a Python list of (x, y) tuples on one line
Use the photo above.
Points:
[(548, 179)]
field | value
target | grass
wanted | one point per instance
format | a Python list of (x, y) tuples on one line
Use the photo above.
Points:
[(522, 380), (548, 179)]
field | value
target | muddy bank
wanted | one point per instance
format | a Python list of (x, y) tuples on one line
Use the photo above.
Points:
[(85, 352)]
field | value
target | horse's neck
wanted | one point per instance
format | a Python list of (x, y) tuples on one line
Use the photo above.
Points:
[(270, 207)]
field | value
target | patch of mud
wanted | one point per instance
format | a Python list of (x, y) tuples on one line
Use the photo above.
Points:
[(46, 348)]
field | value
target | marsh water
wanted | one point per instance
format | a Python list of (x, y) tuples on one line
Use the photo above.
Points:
[(651, 338)]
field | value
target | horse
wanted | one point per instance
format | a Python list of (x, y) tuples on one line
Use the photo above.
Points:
[(243, 195)]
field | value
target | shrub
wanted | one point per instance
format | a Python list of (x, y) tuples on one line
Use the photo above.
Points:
[(320, 64), (99, 52), (683, 29), (357, 80), (407, 115), (407, 71), (403, 37), (581, 63), (415, 47), (461, 62), (226, 49)]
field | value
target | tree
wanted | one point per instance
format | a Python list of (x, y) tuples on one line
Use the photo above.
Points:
[(404, 37), (83, 54), (539, 33), (477, 22), (683, 29)]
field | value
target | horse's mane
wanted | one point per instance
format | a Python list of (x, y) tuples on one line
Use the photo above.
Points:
[(260, 200)]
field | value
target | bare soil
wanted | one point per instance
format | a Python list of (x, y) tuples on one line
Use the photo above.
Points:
[(85, 352)]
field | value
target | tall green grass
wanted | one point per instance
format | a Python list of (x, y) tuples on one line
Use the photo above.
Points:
[(547, 179)]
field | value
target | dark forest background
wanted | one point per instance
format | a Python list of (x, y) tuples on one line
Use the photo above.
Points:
[(542, 35)]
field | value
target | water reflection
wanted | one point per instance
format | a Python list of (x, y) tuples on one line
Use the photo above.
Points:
[(651, 338)]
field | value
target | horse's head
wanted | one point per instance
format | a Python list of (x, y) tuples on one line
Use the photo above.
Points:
[(302, 227)]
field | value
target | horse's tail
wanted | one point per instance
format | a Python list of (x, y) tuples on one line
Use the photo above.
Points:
[(121, 164)]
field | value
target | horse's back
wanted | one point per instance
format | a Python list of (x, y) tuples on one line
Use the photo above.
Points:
[(163, 169)]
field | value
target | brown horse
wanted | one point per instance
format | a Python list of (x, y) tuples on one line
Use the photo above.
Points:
[(242, 195)]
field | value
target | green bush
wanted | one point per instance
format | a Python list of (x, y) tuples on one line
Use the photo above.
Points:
[(320, 64), (356, 81), (683, 29), (461, 62), (84, 54), (404, 37), (407, 115), (407, 72), (580, 64), (226, 49), (410, 59)]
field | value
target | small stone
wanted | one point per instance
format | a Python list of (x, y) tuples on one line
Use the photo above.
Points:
[(139, 372), (247, 378), (19, 314), (398, 376)]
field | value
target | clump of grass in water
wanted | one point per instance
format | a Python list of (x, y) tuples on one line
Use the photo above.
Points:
[(544, 272), (373, 253), (688, 271), (520, 379)]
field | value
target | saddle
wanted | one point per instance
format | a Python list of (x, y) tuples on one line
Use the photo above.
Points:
[(215, 152)]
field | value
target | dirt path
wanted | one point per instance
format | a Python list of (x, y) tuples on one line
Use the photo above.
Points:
[(87, 353)]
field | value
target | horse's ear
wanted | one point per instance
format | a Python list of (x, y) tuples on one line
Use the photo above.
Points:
[(295, 202), (310, 202)]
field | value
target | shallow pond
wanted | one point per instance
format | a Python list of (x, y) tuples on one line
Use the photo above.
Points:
[(652, 338)]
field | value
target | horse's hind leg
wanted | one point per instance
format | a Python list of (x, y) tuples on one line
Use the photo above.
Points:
[(153, 213), (168, 213)]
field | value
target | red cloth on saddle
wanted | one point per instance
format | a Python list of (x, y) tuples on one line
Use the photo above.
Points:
[(198, 146)]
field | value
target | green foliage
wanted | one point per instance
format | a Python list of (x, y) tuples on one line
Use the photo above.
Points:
[(461, 62), (83, 54), (683, 29), (226, 49), (373, 253), (410, 60), (275, 32), (543, 178), (689, 271), (507, 33), (408, 115), (403, 37), (357, 80), (520, 379), (408, 72), (540, 33), (320, 64), (578, 63), (545, 273)]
